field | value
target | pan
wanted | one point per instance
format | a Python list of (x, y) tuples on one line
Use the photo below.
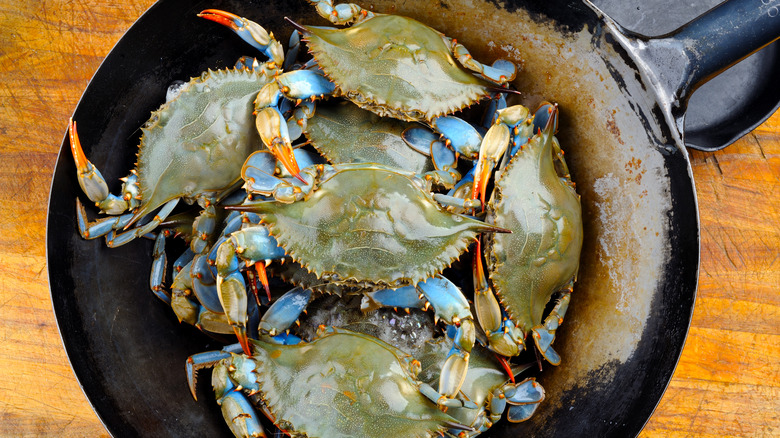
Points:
[(623, 100)]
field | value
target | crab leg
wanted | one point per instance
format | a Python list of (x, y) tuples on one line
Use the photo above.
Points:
[(497, 102), (458, 135), (94, 185), (403, 298), (501, 72), (99, 227), (293, 46), (258, 174), (249, 245), (458, 199), (523, 398), (340, 14), (495, 144), (270, 121), (285, 311), (522, 132), (544, 334), (141, 230), (445, 162), (238, 411), (249, 31), (504, 337), (454, 132), (444, 159), (159, 265), (189, 309), (298, 85)]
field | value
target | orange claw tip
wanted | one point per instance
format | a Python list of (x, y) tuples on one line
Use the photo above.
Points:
[(300, 178), (261, 274), (480, 182), (75, 146), (507, 368), (243, 340), (222, 17), (284, 153)]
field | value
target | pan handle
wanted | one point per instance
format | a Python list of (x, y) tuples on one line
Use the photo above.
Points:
[(677, 63), (724, 36)]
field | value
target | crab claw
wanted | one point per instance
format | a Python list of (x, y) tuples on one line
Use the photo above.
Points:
[(249, 31), (262, 276), (494, 145), (504, 338), (273, 131), (91, 181)]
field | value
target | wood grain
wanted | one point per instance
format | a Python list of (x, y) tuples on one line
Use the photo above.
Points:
[(728, 379)]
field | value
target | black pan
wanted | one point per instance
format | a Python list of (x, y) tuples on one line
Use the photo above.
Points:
[(623, 138)]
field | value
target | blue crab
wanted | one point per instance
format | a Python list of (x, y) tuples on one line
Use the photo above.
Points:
[(541, 256), (192, 147), (183, 154), (340, 384), (354, 63), (351, 225)]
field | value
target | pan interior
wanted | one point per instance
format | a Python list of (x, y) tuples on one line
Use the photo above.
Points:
[(617, 151)]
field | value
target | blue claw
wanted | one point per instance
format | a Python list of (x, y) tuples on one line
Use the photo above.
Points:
[(419, 139), (204, 285), (500, 72), (401, 298), (305, 84), (285, 311), (249, 31), (258, 173), (519, 413), (443, 157), (244, 422), (445, 298), (459, 135)]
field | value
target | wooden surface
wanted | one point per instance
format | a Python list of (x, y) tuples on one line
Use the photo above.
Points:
[(727, 382)]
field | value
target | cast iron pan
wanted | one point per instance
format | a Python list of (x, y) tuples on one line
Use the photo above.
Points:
[(632, 304)]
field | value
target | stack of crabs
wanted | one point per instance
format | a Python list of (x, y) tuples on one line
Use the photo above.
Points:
[(348, 179)]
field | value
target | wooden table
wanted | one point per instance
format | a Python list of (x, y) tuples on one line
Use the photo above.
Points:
[(727, 382)]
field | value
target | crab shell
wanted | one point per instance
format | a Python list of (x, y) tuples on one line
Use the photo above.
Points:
[(193, 147), (395, 67), (541, 255), (342, 384), (369, 225), (344, 133)]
